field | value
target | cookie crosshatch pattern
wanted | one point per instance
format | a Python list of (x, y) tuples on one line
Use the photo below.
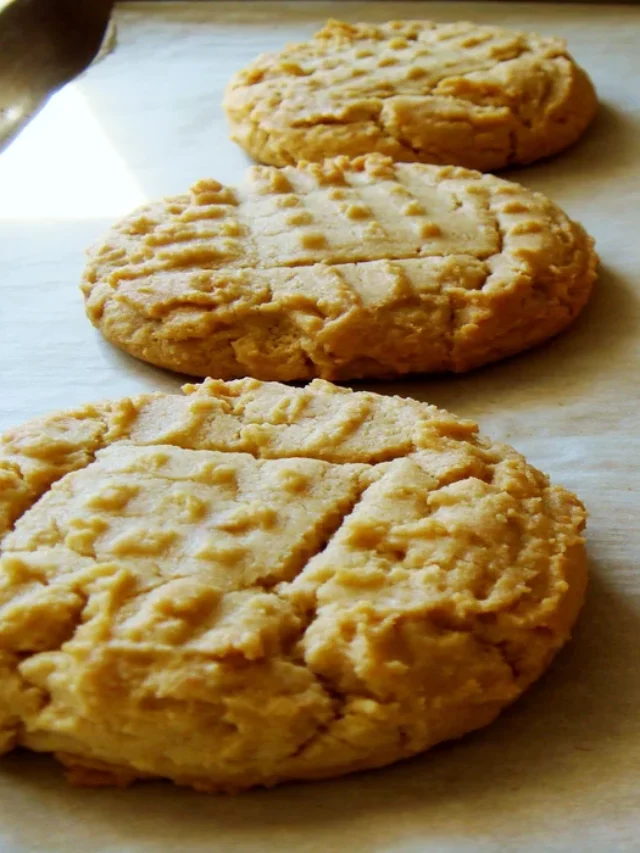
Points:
[(459, 93), (254, 583), (341, 269)]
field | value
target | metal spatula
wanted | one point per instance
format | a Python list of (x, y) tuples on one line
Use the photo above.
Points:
[(43, 45)]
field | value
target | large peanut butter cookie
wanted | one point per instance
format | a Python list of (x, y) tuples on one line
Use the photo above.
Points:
[(254, 583), (471, 96), (342, 269)]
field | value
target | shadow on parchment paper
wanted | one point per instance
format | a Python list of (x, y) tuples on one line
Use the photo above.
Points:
[(553, 754), (606, 150), (567, 368)]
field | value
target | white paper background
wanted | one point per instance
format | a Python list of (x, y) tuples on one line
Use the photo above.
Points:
[(561, 770)]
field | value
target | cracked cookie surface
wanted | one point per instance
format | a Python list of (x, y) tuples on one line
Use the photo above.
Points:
[(341, 269), (458, 93), (253, 583)]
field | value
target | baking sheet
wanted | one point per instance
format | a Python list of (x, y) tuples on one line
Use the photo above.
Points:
[(561, 770)]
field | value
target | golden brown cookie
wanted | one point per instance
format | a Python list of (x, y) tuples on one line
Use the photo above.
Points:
[(254, 583), (340, 270), (463, 94)]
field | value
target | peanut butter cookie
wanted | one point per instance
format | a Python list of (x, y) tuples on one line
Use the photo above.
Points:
[(254, 583), (340, 269), (462, 94)]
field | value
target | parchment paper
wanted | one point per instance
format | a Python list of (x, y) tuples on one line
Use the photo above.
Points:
[(561, 770)]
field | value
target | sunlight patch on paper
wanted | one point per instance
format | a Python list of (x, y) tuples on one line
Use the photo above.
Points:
[(63, 166)]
